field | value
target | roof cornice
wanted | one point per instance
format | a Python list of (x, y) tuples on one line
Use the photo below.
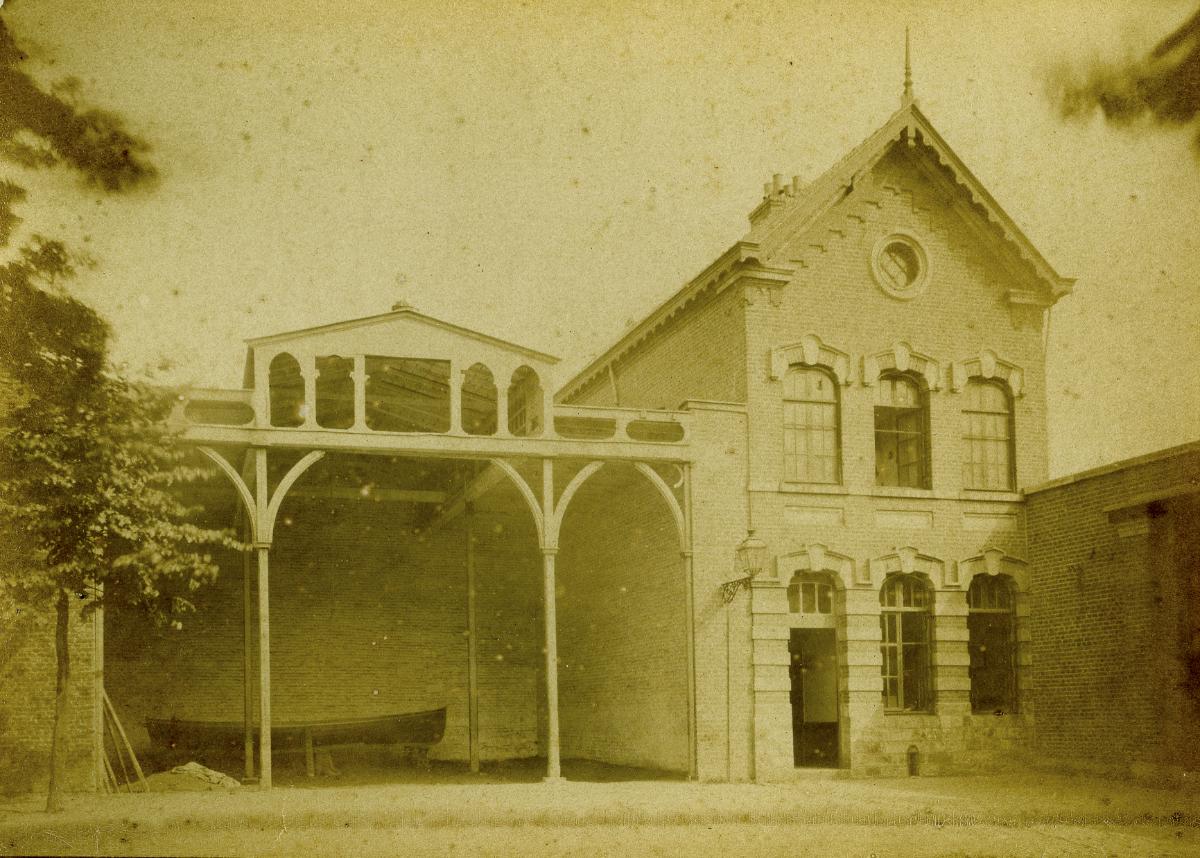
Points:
[(980, 196)]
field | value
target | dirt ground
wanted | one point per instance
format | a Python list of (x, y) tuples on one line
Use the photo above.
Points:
[(503, 813)]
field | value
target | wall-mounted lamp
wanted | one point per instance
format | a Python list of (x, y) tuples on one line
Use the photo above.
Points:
[(751, 556)]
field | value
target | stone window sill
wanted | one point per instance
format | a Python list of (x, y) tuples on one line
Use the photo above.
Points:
[(812, 488), (989, 495), (1006, 715), (901, 492)]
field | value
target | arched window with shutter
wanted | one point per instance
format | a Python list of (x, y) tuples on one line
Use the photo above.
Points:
[(901, 432)]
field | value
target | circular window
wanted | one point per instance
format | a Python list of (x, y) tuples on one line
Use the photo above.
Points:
[(900, 266)]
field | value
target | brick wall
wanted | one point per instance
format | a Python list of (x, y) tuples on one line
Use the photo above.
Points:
[(724, 713), (27, 676), (698, 355), (1114, 557), (368, 617)]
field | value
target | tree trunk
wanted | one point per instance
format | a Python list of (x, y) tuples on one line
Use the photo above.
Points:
[(58, 751)]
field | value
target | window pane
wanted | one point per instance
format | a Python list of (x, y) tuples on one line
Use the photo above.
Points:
[(987, 462), (901, 434), (991, 624), (905, 630), (886, 470), (810, 426), (825, 599)]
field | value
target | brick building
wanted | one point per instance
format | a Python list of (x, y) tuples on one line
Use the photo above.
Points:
[(778, 526), (1115, 554)]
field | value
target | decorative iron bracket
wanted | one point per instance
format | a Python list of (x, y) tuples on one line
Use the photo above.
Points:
[(729, 589)]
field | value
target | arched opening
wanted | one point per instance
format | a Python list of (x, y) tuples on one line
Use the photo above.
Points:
[(525, 404), (814, 670), (479, 401), (335, 392), (286, 391), (369, 592), (622, 626)]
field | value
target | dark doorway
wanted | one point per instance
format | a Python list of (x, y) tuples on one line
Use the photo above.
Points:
[(814, 697)]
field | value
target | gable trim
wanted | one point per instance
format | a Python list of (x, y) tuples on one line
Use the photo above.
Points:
[(910, 128), (369, 321)]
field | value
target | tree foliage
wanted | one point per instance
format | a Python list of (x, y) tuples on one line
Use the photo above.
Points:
[(89, 471), (40, 128), (1163, 85)]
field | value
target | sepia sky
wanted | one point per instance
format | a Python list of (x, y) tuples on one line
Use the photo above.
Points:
[(549, 172)]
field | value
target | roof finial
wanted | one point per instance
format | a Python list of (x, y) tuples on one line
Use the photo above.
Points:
[(907, 98)]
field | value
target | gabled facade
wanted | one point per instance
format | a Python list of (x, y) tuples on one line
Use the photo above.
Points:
[(882, 329)]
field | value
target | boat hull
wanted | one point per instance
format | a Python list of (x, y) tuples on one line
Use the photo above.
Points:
[(415, 729)]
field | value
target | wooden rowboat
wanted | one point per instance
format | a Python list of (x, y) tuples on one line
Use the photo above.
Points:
[(415, 729)]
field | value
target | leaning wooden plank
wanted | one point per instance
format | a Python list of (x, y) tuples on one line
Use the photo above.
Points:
[(137, 767), (110, 782), (120, 759)]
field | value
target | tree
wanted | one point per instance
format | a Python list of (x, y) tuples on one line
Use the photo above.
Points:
[(1164, 85), (88, 467)]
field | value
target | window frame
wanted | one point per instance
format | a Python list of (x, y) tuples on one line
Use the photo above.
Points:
[(969, 440), (811, 594), (925, 694), (806, 431), (922, 433), (1008, 664)]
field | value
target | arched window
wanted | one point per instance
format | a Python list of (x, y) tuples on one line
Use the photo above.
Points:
[(479, 401), (286, 389), (810, 594), (905, 617), (987, 431), (810, 426), (991, 632), (901, 432), (335, 392), (525, 404)]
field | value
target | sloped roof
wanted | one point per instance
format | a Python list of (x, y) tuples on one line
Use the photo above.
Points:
[(401, 312), (907, 125), (911, 126)]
